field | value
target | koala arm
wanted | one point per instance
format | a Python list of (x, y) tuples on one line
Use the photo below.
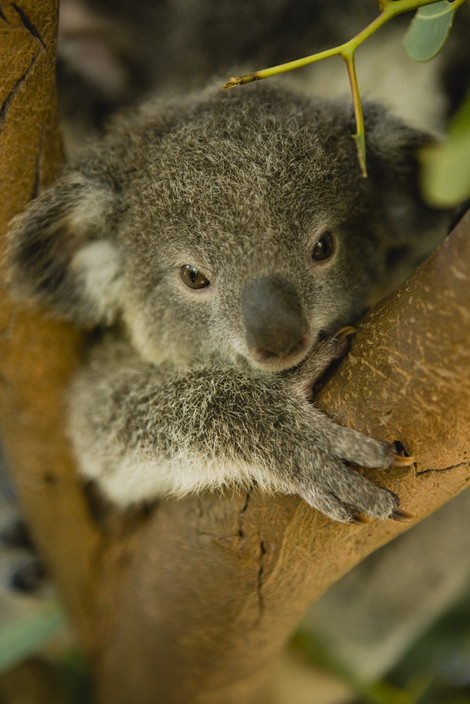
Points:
[(143, 431)]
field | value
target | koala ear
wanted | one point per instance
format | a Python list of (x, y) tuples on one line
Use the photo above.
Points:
[(411, 227), (394, 168), (62, 251)]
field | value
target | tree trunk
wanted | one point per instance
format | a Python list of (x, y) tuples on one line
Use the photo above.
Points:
[(194, 602), (37, 355)]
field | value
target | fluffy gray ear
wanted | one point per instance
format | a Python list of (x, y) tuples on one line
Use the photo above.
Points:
[(393, 163), (411, 229), (62, 251)]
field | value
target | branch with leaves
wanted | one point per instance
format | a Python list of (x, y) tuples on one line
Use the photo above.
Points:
[(425, 38)]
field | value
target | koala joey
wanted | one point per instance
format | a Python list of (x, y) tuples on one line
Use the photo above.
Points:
[(220, 241)]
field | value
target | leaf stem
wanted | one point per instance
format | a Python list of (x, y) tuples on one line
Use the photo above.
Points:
[(388, 10), (359, 136)]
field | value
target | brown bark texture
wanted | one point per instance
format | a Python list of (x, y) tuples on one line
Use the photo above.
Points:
[(194, 602), (37, 355)]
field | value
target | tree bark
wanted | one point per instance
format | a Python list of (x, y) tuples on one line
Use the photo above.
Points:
[(193, 602), (38, 355)]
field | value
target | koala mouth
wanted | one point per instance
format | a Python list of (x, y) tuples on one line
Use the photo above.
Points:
[(275, 361)]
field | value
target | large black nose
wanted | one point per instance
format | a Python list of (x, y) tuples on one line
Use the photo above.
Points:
[(275, 325)]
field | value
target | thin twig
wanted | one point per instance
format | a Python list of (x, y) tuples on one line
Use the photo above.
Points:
[(388, 10)]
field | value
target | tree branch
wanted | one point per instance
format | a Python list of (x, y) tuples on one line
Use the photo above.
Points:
[(194, 602)]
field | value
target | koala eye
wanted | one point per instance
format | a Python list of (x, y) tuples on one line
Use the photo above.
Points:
[(323, 247), (192, 277)]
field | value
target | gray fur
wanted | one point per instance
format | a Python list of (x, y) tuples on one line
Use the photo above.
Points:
[(190, 391)]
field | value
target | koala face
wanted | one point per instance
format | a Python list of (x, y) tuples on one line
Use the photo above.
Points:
[(234, 226), (262, 280), (250, 249)]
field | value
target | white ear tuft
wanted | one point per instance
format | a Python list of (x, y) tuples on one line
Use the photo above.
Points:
[(97, 270), (63, 253)]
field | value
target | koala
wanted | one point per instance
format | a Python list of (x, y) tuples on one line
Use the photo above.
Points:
[(218, 242)]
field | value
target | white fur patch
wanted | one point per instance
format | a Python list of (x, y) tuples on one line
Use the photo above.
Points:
[(97, 266), (133, 479)]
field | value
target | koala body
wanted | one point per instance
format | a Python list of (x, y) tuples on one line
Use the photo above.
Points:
[(221, 240)]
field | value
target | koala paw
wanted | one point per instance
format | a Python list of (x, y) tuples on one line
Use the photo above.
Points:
[(350, 498), (339, 491)]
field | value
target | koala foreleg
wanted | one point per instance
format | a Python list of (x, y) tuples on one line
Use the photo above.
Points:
[(143, 431)]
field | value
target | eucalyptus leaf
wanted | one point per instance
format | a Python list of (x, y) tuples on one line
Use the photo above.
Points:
[(446, 173), (446, 166), (22, 638), (429, 30)]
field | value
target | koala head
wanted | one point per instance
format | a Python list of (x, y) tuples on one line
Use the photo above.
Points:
[(233, 225)]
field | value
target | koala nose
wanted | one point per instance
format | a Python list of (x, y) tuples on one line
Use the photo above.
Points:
[(275, 325)]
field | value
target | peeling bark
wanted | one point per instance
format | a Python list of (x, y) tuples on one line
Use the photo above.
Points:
[(194, 601)]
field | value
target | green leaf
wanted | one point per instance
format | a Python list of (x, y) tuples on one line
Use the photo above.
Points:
[(20, 639), (446, 175), (429, 30), (446, 166)]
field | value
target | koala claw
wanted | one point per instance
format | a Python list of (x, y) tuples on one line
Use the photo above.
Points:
[(402, 460), (396, 515), (343, 333), (401, 516), (361, 518)]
